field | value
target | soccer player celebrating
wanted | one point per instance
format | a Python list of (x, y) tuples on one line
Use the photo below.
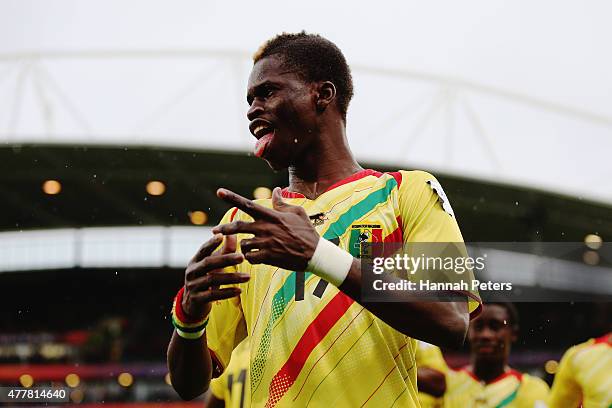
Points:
[(288, 272), (584, 375), (488, 381)]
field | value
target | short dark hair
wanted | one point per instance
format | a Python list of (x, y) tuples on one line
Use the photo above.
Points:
[(315, 59), (511, 310)]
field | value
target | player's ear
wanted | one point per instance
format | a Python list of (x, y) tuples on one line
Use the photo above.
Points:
[(326, 93)]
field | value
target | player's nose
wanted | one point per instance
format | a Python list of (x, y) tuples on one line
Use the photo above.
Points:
[(255, 110)]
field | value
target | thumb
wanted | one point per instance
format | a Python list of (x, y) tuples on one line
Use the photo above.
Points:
[(277, 199), (230, 244)]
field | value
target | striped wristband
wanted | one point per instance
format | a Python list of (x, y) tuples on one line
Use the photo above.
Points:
[(186, 327)]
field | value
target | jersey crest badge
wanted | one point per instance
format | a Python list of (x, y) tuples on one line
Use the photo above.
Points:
[(363, 234)]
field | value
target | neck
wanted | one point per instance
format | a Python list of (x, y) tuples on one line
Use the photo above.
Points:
[(488, 371), (328, 161)]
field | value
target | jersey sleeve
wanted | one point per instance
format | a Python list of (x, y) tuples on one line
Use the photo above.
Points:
[(537, 391), (235, 373), (427, 216), (218, 386), (565, 391), (226, 327), (428, 355)]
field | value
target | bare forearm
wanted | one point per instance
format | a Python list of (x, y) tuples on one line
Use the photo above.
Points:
[(190, 366), (441, 323), (431, 381)]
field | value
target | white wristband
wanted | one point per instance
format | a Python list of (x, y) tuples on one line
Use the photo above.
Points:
[(330, 262), (190, 336)]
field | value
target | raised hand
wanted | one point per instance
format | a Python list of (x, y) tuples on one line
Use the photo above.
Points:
[(283, 235), (204, 275)]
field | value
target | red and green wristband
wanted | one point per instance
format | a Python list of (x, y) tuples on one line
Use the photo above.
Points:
[(186, 326)]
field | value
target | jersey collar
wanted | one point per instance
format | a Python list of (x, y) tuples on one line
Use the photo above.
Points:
[(509, 373), (354, 177)]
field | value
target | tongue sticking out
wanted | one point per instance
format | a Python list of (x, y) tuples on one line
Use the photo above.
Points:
[(262, 143)]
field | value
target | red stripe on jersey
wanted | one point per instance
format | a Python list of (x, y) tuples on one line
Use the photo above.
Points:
[(233, 214), (359, 175), (396, 236), (314, 333), (606, 338), (323, 355), (356, 176), (285, 193), (388, 374), (397, 176), (400, 223)]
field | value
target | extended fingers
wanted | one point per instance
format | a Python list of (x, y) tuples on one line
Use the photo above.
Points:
[(207, 248), (211, 263), (238, 227), (247, 245), (213, 294), (277, 199), (253, 209), (257, 257), (214, 280)]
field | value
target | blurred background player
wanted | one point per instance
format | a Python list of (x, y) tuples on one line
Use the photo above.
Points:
[(488, 381), (585, 375), (431, 372), (231, 389)]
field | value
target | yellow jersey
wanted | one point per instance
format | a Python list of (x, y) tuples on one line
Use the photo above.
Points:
[(233, 385), (312, 345), (430, 356), (510, 390), (584, 375)]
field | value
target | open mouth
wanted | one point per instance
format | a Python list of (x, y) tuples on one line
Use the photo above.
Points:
[(264, 132), (261, 130), (262, 143)]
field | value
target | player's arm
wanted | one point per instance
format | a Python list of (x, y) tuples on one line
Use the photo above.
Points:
[(217, 387), (431, 381), (441, 323), (565, 392), (431, 378), (189, 360), (284, 237)]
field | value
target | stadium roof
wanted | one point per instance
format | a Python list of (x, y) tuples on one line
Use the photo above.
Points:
[(105, 186), (512, 92)]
